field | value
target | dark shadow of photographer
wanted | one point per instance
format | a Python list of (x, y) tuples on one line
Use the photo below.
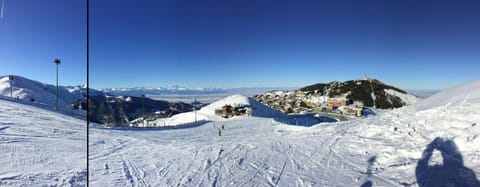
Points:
[(451, 173), (368, 183)]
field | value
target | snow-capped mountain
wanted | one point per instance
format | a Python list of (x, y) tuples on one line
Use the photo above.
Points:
[(181, 90), (138, 91), (41, 93), (39, 147), (431, 143)]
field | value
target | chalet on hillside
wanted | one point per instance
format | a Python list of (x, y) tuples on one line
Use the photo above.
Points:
[(228, 111)]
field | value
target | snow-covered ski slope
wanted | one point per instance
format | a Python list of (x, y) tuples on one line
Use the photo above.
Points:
[(40, 147), (435, 139)]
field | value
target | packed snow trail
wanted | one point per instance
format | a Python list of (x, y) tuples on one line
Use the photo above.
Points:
[(200, 157), (382, 150), (40, 147)]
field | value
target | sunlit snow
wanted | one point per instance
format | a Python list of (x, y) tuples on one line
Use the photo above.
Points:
[(382, 150)]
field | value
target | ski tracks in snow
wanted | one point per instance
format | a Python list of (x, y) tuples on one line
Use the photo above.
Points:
[(220, 157), (132, 173)]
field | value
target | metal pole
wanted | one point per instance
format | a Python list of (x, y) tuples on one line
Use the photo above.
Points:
[(57, 62)]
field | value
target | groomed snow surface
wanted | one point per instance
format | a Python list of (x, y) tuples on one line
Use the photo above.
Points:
[(431, 143), (40, 147)]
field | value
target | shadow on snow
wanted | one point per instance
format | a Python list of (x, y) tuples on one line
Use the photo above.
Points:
[(451, 173), (368, 183)]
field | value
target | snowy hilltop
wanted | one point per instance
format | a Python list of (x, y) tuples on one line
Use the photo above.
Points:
[(39, 147), (363, 92), (431, 143), (43, 94)]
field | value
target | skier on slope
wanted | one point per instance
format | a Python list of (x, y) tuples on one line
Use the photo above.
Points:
[(223, 127), (219, 132)]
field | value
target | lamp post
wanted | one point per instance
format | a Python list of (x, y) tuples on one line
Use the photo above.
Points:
[(57, 62)]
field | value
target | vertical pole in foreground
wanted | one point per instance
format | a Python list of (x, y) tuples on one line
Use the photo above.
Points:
[(88, 85), (57, 62)]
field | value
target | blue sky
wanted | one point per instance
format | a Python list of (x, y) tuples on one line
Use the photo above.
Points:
[(33, 33), (236, 43)]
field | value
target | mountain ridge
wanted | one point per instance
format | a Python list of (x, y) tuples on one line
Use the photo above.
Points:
[(363, 92)]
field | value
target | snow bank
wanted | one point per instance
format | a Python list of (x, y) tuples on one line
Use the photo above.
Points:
[(258, 109), (463, 94), (233, 100)]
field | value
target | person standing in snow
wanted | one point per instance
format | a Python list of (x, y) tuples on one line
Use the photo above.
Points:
[(219, 132), (223, 127)]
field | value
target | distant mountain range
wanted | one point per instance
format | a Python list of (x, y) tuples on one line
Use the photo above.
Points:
[(138, 91)]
